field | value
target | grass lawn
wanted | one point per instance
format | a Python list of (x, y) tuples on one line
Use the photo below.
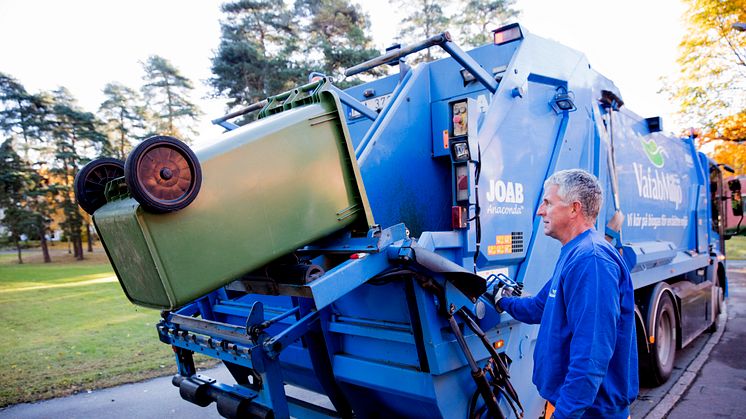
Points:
[(735, 248), (68, 327)]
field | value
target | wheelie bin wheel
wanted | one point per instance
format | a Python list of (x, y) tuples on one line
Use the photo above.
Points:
[(92, 179), (163, 174)]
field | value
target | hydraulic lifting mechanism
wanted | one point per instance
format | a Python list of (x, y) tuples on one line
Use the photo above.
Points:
[(279, 323), (262, 249), (379, 298)]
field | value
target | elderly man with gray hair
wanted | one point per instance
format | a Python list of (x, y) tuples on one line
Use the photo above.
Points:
[(585, 360)]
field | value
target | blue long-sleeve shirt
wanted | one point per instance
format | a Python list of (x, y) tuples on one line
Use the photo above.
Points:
[(585, 361)]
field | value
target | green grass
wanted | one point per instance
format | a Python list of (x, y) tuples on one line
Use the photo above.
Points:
[(68, 329), (735, 248)]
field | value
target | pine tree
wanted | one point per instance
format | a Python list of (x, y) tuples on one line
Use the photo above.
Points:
[(479, 17), (254, 58), (15, 181), (335, 33), (75, 134), (124, 117), (421, 20), (267, 48), (167, 93), (21, 113), (41, 200)]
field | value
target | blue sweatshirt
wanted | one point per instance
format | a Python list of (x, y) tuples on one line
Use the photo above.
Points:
[(585, 361)]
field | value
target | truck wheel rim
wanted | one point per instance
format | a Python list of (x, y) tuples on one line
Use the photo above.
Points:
[(664, 338)]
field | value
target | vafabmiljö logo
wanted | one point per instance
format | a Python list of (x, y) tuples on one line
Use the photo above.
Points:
[(653, 183), (654, 152)]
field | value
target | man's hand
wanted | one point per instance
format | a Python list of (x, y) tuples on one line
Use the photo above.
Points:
[(501, 290)]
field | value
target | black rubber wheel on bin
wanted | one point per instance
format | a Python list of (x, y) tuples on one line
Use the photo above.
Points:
[(92, 179), (163, 174)]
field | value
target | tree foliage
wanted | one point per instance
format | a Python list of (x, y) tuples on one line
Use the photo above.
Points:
[(167, 92), (254, 58), (268, 47), (478, 18), (336, 35), (21, 113), (15, 181), (712, 57), (75, 134), (420, 20), (124, 115), (711, 87), (726, 141)]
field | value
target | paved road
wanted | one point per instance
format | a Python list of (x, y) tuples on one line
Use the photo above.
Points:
[(650, 398), (719, 389), (156, 398)]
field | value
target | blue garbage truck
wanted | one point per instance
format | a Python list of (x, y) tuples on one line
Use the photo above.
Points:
[(344, 241)]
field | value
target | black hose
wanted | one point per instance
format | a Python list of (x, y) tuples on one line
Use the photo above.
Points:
[(472, 405), (483, 386), (503, 374), (477, 208)]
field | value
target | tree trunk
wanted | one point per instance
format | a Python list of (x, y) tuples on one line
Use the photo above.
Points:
[(78, 244), (43, 242), (18, 248), (90, 238)]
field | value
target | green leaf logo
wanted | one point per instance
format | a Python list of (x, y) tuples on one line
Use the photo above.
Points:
[(654, 152)]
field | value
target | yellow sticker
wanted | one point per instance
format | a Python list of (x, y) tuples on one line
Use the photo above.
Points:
[(503, 245)]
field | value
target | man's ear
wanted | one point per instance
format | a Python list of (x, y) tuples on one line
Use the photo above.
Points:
[(577, 208)]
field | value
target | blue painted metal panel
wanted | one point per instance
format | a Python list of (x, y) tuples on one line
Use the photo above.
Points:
[(379, 89), (397, 162), (657, 174)]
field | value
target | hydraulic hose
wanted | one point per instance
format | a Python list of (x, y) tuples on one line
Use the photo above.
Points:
[(502, 374), (483, 386)]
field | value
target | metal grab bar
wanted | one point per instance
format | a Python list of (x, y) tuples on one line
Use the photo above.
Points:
[(444, 41)]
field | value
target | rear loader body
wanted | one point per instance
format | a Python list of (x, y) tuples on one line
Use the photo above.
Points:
[(343, 242)]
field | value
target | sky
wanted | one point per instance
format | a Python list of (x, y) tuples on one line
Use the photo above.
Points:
[(82, 45)]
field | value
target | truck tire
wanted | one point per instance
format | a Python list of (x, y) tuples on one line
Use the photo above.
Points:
[(663, 348), (718, 303)]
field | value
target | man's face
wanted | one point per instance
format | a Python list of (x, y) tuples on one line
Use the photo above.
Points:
[(556, 215)]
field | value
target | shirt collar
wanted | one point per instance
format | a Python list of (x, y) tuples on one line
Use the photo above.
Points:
[(576, 239)]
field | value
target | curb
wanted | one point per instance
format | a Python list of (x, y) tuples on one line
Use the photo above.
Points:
[(687, 378)]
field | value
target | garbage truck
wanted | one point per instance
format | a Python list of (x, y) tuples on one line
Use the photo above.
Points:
[(343, 242)]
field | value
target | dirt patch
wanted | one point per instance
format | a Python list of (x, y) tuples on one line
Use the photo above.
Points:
[(59, 254)]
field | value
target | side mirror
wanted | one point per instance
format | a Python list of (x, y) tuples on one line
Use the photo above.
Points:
[(736, 200)]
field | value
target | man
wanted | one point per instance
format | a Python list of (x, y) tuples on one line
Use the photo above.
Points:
[(585, 361)]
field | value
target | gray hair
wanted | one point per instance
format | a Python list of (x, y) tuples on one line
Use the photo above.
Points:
[(578, 185)]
